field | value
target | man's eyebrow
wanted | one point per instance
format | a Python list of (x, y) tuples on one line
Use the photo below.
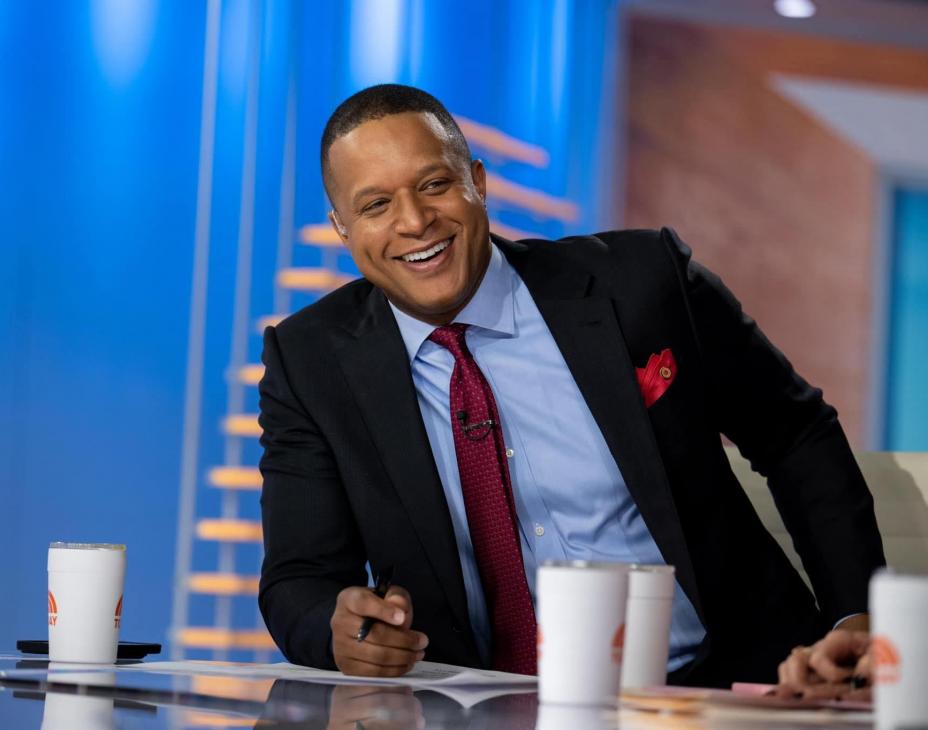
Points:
[(364, 192), (421, 172)]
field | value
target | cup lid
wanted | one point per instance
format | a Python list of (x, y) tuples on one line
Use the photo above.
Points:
[(85, 546), (643, 568), (588, 564)]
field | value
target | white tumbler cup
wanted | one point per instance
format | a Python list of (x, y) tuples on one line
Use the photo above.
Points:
[(85, 587), (899, 649), (581, 631), (647, 625)]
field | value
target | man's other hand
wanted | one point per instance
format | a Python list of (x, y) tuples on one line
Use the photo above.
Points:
[(831, 668), (391, 648)]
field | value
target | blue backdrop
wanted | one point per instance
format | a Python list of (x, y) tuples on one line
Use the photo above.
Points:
[(100, 141), (907, 396)]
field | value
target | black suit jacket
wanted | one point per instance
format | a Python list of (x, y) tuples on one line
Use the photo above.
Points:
[(349, 475)]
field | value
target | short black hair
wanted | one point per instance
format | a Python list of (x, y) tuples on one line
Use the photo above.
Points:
[(377, 102)]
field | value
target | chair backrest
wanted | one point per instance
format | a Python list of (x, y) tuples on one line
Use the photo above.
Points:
[(899, 482)]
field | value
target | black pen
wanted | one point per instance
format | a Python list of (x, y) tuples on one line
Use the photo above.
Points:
[(381, 586)]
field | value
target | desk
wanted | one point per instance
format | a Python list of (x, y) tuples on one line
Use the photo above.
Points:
[(34, 696)]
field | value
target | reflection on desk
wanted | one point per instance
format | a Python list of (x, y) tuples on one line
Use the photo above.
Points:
[(38, 695)]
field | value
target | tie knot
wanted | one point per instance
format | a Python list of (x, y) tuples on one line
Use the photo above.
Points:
[(451, 337)]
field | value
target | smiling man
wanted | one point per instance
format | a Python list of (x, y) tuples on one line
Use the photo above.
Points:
[(413, 202), (473, 407)]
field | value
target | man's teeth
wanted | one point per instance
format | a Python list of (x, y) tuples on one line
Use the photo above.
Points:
[(429, 252)]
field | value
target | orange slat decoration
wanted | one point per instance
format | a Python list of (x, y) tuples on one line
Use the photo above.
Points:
[(229, 530)]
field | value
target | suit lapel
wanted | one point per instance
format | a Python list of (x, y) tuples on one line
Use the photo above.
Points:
[(586, 328), (375, 363)]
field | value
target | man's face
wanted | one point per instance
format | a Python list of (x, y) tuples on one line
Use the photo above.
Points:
[(411, 211)]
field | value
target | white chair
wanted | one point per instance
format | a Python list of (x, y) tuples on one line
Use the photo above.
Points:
[(899, 483)]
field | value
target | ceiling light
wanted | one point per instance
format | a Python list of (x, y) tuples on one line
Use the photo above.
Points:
[(795, 8)]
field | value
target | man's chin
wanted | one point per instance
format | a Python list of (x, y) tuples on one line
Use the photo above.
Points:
[(435, 312)]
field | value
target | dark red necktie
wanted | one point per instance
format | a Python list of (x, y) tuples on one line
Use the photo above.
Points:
[(491, 511)]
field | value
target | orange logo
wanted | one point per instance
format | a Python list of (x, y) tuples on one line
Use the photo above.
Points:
[(118, 617), (618, 644), (52, 609), (538, 643), (886, 660)]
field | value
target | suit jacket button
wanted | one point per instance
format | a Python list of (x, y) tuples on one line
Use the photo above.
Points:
[(456, 629)]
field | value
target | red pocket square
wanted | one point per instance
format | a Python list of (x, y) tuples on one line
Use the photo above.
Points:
[(655, 377)]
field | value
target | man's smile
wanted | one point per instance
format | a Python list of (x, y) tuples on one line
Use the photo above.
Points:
[(427, 258)]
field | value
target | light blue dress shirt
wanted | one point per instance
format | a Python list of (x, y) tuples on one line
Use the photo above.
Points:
[(571, 499)]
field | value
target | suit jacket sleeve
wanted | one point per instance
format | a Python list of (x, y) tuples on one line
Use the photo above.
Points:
[(311, 542), (782, 425)]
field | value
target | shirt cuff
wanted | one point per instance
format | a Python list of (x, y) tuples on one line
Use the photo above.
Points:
[(842, 620)]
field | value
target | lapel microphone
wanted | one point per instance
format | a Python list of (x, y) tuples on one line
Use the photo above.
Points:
[(488, 424)]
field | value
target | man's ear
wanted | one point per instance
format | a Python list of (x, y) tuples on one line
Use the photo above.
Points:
[(337, 225), (478, 174)]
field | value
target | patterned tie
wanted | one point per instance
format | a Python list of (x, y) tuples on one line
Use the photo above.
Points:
[(491, 512)]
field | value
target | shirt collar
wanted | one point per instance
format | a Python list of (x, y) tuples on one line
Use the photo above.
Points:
[(491, 307)]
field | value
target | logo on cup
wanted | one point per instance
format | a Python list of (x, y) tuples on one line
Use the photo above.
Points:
[(118, 617), (618, 644), (886, 660), (52, 609), (538, 644)]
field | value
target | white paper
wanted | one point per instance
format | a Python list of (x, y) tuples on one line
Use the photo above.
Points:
[(467, 697), (425, 674)]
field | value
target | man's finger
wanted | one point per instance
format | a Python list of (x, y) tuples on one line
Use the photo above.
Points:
[(863, 666), (348, 648), (384, 655), (363, 602), (795, 673), (361, 668), (834, 657), (399, 597), (383, 635), (346, 625)]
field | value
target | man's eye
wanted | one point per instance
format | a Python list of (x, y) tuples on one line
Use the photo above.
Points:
[(374, 206), (434, 185)]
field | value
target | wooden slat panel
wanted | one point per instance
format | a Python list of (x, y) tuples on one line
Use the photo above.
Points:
[(499, 143), (311, 279), (513, 234), (235, 477), (244, 424), (229, 530), (319, 234), (231, 687), (269, 320), (195, 719), (531, 199), (250, 374), (223, 584), (212, 638)]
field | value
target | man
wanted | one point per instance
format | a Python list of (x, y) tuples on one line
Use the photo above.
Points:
[(474, 406)]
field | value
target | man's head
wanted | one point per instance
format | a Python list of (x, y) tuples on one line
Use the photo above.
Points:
[(407, 200)]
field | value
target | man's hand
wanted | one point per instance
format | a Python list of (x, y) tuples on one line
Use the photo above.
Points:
[(391, 648), (827, 668), (374, 708)]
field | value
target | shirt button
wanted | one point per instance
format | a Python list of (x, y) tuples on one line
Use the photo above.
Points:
[(510, 453), (539, 530)]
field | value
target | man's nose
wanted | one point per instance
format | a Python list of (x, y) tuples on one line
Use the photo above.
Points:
[(412, 217)]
